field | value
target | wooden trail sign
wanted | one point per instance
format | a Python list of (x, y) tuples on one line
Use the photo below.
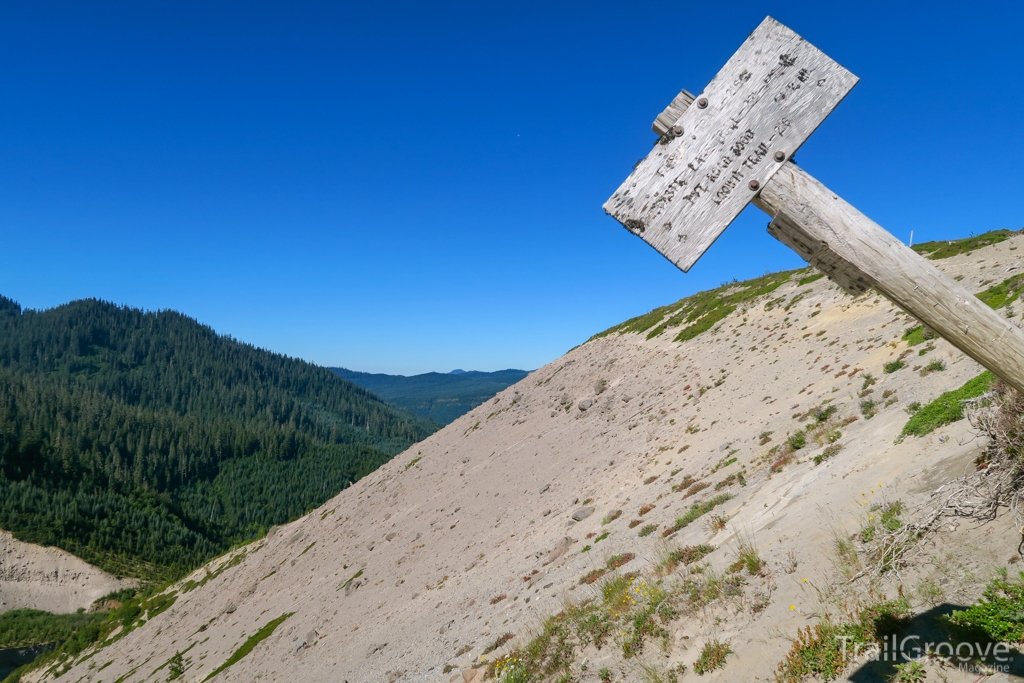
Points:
[(732, 145)]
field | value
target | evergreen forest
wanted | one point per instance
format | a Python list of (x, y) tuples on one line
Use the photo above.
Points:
[(146, 443), (442, 398)]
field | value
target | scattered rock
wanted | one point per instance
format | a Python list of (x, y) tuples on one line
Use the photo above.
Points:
[(585, 405), (374, 649), (544, 489), (582, 513)]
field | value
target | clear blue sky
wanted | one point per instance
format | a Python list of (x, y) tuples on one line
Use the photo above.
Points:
[(410, 187)]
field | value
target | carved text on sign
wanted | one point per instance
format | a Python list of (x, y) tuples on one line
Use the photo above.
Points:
[(767, 99)]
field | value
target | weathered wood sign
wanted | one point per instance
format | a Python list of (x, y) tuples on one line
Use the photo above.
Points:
[(750, 119), (732, 144)]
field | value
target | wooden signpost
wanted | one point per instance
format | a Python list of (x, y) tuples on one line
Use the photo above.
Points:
[(732, 145)]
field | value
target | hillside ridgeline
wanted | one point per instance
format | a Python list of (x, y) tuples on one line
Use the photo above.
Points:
[(145, 443), (721, 487), (434, 395)]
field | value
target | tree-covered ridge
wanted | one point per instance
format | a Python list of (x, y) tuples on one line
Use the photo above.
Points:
[(145, 442), (435, 396)]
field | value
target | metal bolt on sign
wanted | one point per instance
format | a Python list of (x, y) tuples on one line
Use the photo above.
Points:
[(747, 125)]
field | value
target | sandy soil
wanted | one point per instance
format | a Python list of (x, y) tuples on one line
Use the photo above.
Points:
[(49, 579), (396, 578)]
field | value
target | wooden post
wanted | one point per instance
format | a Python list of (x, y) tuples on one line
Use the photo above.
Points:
[(857, 253), (734, 147)]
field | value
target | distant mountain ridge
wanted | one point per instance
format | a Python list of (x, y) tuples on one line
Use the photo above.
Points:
[(436, 396)]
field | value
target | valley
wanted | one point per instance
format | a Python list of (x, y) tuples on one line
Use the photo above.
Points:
[(686, 491), (441, 397)]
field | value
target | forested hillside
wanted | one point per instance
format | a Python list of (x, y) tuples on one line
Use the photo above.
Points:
[(147, 444), (433, 395)]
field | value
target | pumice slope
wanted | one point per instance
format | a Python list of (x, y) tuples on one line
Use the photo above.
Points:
[(705, 436), (49, 579)]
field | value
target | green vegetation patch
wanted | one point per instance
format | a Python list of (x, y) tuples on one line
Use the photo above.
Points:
[(147, 444), (823, 651), (72, 634), (250, 644), (941, 249), (893, 366), (809, 279), (997, 616), (235, 560), (946, 408), (701, 311), (712, 657), (29, 627), (918, 335), (698, 510), (1005, 293), (684, 556), (628, 609)]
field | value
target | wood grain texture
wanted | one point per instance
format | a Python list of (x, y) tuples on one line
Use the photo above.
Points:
[(819, 255), (672, 112), (819, 217), (768, 98)]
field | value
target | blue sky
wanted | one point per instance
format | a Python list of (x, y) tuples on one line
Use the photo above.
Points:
[(411, 187)]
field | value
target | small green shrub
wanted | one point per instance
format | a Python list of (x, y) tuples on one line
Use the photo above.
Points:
[(819, 651), (934, 366), (611, 517), (868, 408), (647, 530), (918, 335), (797, 441), (893, 366), (501, 640), (998, 615), (829, 451), (684, 556), (696, 511), (909, 672), (616, 561), (712, 657), (823, 413), (696, 488)]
